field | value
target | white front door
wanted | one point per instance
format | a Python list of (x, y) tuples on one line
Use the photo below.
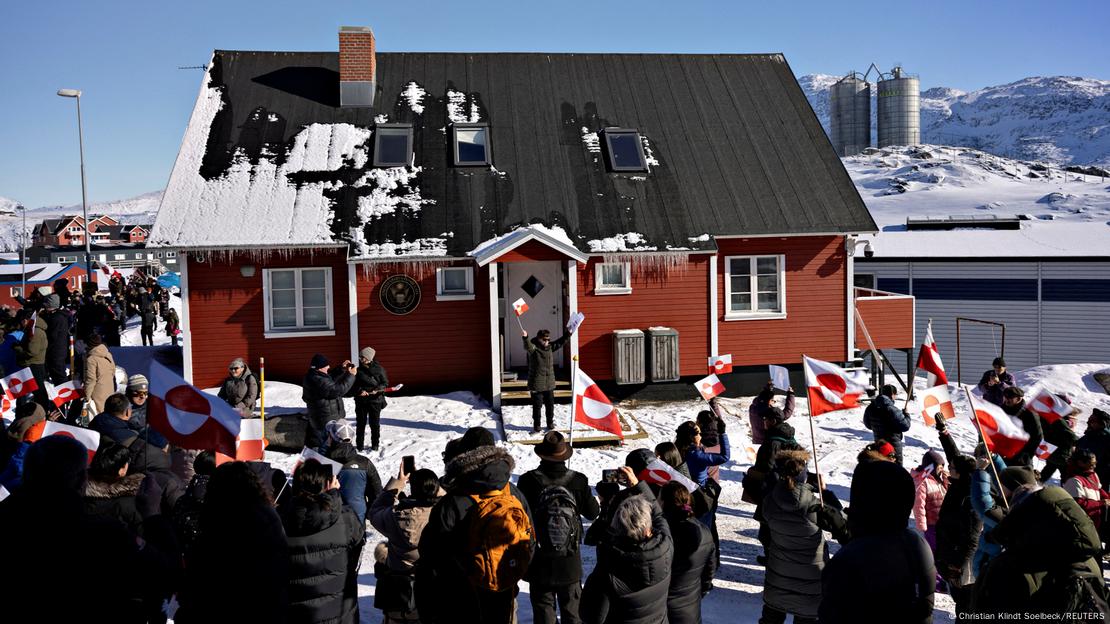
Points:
[(540, 284)]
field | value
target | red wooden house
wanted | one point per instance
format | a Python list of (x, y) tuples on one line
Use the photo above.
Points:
[(404, 201), (70, 230)]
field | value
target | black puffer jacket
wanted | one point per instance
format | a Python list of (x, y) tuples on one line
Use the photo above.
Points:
[(1031, 422), (186, 513), (57, 340), (775, 439), (115, 500), (323, 395), (692, 570), (958, 528), (443, 593), (541, 362), (547, 569), (885, 419), (368, 378), (631, 581), (325, 541)]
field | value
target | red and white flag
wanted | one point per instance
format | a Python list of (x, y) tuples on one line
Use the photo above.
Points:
[(592, 408), (1004, 433), (660, 473), (1045, 450), (107, 268), (1049, 406), (936, 400), (64, 393), (249, 446), (520, 307), (7, 404), (928, 359), (720, 364), (188, 417), (308, 454), (830, 387), (21, 383), (88, 437), (709, 386)]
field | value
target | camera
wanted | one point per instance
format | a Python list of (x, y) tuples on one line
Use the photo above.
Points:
[(609, 475)]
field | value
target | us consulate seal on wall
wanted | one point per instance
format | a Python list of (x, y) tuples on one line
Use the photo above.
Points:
[(399, 294)]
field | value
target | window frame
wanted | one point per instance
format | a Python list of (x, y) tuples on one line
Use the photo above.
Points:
[(171, 254), (755, 314), (378, 128), (612, 162), (874, 280), (600, 288), (455, 127), (442, 295), (300, 331)]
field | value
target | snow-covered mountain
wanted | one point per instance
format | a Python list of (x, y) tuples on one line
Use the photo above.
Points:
[(138, 209), (1056, 119)]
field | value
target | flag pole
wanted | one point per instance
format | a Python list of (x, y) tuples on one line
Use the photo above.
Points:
[(573, 394), (990, 455), (262, 396), (913, 373), (519, 323), (812, 434), (72, 360)]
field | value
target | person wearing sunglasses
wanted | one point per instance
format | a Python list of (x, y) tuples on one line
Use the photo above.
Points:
[(240, 387), (137, 392)]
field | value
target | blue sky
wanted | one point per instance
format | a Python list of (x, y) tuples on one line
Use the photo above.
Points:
[(124, 55)]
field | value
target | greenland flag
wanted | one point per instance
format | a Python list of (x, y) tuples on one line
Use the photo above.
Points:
[(660, 473), (830, 387), (1004, 433), (936, 400), (88, 437), (21, 383), (1045, 450), (928, 359), (520, 307), (7, 405), (188, 417), (709, 387), (64, 393), (720, 364), (1050, 407), (592, 408), (250, 444)]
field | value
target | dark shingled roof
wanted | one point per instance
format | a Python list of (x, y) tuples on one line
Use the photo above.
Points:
[(740, 150)]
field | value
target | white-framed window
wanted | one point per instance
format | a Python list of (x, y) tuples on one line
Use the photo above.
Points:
[(298, 302), (864, 280), (119, 256), (454, 283), (755, 287), (76, 229), (612, 278), (64, 259)]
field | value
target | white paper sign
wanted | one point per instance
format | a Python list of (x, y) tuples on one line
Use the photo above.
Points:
[(779, 376), (575, 321)]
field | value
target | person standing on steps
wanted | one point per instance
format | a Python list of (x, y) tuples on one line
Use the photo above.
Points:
[(370, 385), (541, 374)]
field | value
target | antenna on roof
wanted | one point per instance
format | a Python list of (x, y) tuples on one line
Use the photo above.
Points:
[(194, 67)]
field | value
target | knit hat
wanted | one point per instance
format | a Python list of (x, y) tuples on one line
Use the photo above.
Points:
[(368, 353), (319, 361), (639, 459), (137, 382), (881, 498), (52, 301), (932, 458), (1017, 476), (475, 437), (55, 463), (340, 431)]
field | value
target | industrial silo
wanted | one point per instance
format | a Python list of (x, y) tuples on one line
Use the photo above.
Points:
[(850, 114), (899, 109)]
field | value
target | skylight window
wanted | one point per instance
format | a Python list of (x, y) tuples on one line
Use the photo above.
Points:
[(471, 145), (626, 151), (392, 145)]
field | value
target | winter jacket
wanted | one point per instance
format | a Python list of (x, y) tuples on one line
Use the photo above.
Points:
[(885, 419), (325, 541), (32, 347), (145, 457), (443, 593), (401, 520), (359, 483), (986, 506), (758, 408), (957, 529), (369, 378), (57, 339), (12, 475), (115, 500), (323, 395), (631, 581), (691, 570), (1061, 435), (1087, 490), (993, 394), (541, 362), (928, 498), (1031, 422), (138, 424), (173, 323), (1098, 442), (546, 568), (240, 392), (698, 460), (796, 551), (1049, 543), (888, 573), (187, 510), (100, 376), (7, 352), (778, 438)]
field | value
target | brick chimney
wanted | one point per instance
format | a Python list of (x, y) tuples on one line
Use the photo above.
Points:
[(356, 66)]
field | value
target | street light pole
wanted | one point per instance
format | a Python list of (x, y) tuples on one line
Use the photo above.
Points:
[(23, 250), (75, 93)]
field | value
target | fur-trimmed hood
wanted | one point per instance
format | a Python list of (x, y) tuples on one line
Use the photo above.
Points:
[(486, 467), (127, 486)]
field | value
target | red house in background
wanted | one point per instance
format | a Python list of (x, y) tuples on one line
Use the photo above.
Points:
[(330, 201)]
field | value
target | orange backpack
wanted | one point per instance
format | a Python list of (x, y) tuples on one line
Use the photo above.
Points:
[(500, 538)]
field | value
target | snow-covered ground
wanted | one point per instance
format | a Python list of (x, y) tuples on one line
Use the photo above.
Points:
[(422, 425), (138, 209)]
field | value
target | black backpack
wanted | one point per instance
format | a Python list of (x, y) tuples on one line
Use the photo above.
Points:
[(557, 525)]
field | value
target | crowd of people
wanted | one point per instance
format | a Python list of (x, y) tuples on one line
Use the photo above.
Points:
[(171, 533)]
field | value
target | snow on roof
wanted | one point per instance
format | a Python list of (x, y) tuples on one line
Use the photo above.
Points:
[(630, 241), (554, 237), (35, 272), (1063, 214)]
